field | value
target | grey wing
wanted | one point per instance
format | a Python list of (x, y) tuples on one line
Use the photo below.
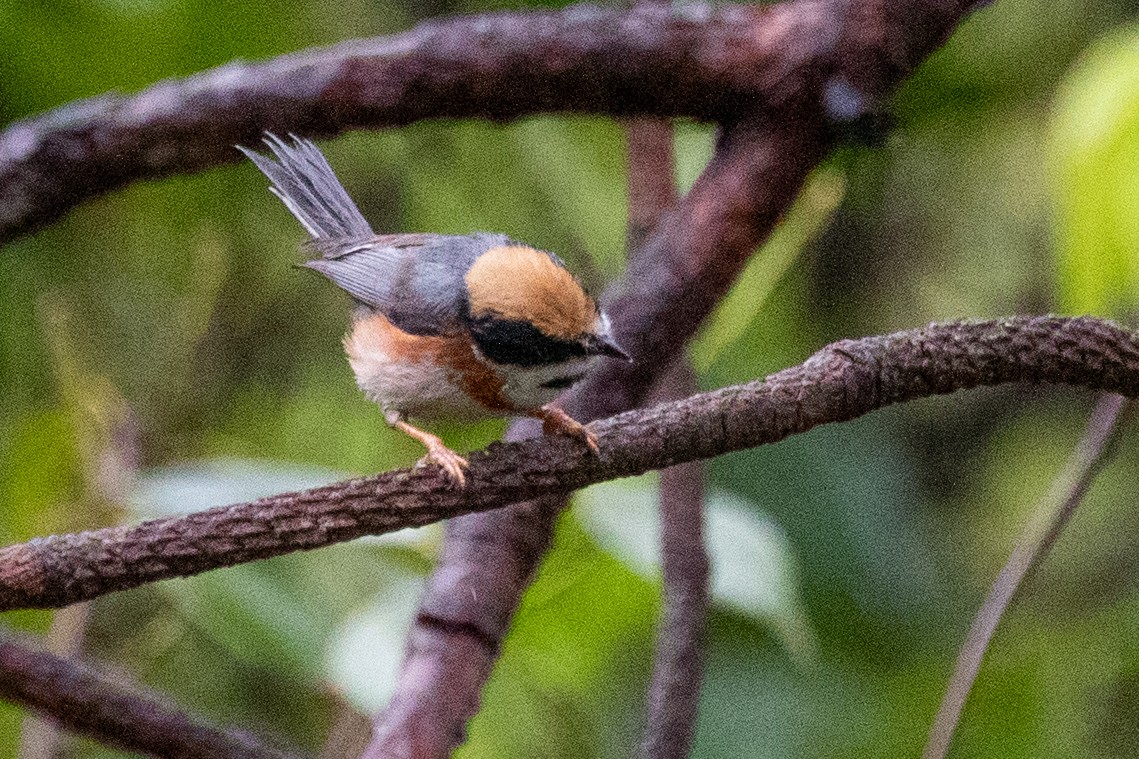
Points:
[(417, 281)]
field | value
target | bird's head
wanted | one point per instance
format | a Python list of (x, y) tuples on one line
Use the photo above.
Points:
[(527, 310)]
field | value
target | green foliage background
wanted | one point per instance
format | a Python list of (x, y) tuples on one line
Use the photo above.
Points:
[(849, 561)]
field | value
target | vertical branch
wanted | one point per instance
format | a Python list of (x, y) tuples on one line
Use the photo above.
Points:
[(678, 669), (652, 185), (1037, 539)]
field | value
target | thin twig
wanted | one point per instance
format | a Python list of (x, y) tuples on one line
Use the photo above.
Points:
[(841, 382), (678, 668), (89, 701), (1047, 522)]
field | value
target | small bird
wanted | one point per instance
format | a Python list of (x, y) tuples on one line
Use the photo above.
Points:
[(445, 326)]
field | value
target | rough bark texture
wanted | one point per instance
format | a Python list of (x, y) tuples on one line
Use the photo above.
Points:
[(841, 382)]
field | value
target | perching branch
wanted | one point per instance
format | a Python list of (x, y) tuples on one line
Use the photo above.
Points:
[(841, 382), (90, 702), (1090, 456)]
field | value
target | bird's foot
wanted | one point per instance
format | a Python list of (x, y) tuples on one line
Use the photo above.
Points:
[(452, 464), (554, 420)]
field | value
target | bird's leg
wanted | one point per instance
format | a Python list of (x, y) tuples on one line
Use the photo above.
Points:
[(554, 420), (438, 453)]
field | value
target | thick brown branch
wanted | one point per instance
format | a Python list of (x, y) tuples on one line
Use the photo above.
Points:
[(840, 382), (699, 61), (1045, 526), (90, 702)]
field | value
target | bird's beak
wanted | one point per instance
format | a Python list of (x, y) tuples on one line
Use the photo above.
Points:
[(598, 345)]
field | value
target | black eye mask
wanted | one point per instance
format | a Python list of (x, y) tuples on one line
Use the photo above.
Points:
[(519, 343)]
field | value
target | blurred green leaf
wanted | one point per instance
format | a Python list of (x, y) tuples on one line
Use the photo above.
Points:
[(195, 486), (363, 656), (1095, 155), (258, 617), (206, 484), (694, 144), (753, 567), (811, 212), (40, 476), (11, 720), (276, 614)]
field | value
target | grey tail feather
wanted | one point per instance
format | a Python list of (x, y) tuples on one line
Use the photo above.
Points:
[(304, 181)]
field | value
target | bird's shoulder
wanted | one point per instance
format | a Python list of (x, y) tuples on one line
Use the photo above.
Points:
[(416, 280)]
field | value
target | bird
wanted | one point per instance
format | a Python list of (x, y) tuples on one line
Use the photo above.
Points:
[(463, 327)]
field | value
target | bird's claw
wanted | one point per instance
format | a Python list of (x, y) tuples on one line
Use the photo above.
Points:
[(554, 420), (450, 463)]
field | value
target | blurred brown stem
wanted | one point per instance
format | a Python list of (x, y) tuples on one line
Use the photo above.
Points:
[(652, 185), (89, 701), (674, 691), (678, 669), (1045, 525)]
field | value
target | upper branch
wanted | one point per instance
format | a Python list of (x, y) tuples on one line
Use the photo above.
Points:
[(840, 382), (697, 61), (714, 63)]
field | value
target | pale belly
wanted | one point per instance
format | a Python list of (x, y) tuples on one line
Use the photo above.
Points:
[(434, 378), (420, 390)]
